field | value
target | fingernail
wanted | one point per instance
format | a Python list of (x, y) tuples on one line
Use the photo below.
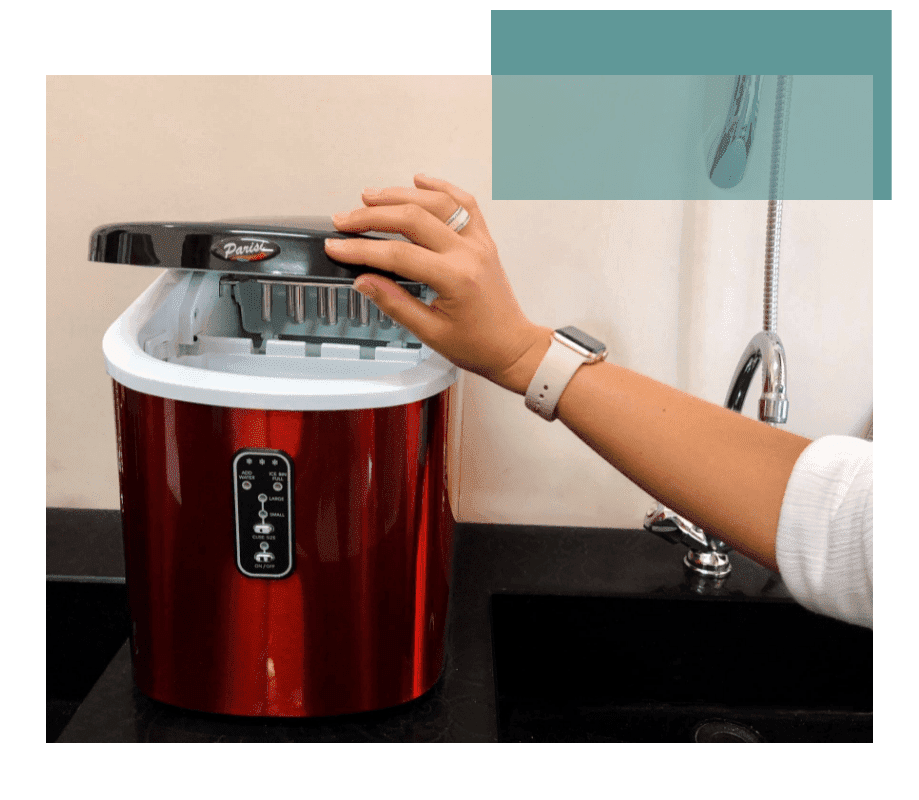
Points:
[(332, 244), (364, 286), (339, 218), (371, 191)]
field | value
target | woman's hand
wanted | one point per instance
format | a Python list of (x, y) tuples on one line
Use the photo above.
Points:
[(475, 322)]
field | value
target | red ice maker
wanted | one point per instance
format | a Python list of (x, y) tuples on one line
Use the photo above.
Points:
[(282, 461)]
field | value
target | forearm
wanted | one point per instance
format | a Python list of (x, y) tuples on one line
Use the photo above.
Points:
[(723, 471)]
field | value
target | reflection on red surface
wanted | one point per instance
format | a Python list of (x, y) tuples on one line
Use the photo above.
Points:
[(359, 623)]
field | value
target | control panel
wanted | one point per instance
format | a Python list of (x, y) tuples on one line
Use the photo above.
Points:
[(263, 494)]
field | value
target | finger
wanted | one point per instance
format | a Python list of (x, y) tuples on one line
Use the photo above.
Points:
[(476, 224), (408, 260), (408, 311), (414, 222), (461, 197), (438, 204)]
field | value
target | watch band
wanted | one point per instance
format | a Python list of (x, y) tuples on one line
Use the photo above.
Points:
[(552, 377)]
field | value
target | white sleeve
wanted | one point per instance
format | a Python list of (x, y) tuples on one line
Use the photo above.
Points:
[(823, 544)]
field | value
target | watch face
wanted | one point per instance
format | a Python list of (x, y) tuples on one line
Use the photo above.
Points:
[(584, 340)]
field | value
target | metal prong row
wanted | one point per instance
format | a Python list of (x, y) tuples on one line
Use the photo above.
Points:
[(326, 304)]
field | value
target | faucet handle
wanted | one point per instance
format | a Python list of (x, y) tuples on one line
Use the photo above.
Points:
[(707, 555), (669, 525)]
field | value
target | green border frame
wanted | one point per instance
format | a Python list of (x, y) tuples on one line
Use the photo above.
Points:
[(391, 38)]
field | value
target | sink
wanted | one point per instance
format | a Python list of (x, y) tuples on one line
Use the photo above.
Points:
[(677, 669)]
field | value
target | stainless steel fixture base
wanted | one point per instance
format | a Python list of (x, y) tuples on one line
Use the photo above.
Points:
[(715, 565), (707, 555)]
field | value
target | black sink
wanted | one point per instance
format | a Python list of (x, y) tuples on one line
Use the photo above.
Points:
[(646, 669), (86, 624)]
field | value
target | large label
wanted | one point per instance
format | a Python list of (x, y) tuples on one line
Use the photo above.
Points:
[(263, 493), (245, 248)]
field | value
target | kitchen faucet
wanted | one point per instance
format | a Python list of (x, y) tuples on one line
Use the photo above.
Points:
[(708, 555)]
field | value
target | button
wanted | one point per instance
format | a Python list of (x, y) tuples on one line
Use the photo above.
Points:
[(263, 514), (263, 497), (263, 527), (264, 557), (247, 485), (278, 486)]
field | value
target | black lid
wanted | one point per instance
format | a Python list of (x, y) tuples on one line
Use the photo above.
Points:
[(284, 248)]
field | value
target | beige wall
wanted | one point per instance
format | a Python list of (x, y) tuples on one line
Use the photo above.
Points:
[(674, 288)]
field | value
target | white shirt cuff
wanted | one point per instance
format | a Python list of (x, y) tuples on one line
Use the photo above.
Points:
[(824, 540)]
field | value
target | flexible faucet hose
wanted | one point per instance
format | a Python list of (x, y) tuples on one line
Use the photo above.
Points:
[(774, 210)]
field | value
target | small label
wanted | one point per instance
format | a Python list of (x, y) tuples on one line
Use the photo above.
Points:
[(245, 248)]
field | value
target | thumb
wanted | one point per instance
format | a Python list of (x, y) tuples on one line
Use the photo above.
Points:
[(406, 310)]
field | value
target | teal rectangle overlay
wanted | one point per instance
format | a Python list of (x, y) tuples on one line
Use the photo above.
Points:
[(655, 137), (557, 125)]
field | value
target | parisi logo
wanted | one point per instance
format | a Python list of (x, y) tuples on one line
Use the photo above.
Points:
[(245, 248)]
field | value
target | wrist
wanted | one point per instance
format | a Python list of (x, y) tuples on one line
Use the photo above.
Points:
[(518, 376)]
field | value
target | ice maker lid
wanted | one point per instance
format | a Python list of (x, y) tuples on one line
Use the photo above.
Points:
[(285, 248)]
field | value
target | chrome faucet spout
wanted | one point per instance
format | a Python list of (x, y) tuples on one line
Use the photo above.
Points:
[(765, 348)]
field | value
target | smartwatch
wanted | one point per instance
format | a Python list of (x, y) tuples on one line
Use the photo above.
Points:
[(570, 349)]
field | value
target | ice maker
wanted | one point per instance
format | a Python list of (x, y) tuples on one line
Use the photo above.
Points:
[(282, 455)]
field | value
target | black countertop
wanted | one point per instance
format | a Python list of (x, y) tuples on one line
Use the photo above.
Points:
[(461, 707)]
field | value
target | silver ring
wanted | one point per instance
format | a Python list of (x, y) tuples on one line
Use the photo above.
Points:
[(459, 220)]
